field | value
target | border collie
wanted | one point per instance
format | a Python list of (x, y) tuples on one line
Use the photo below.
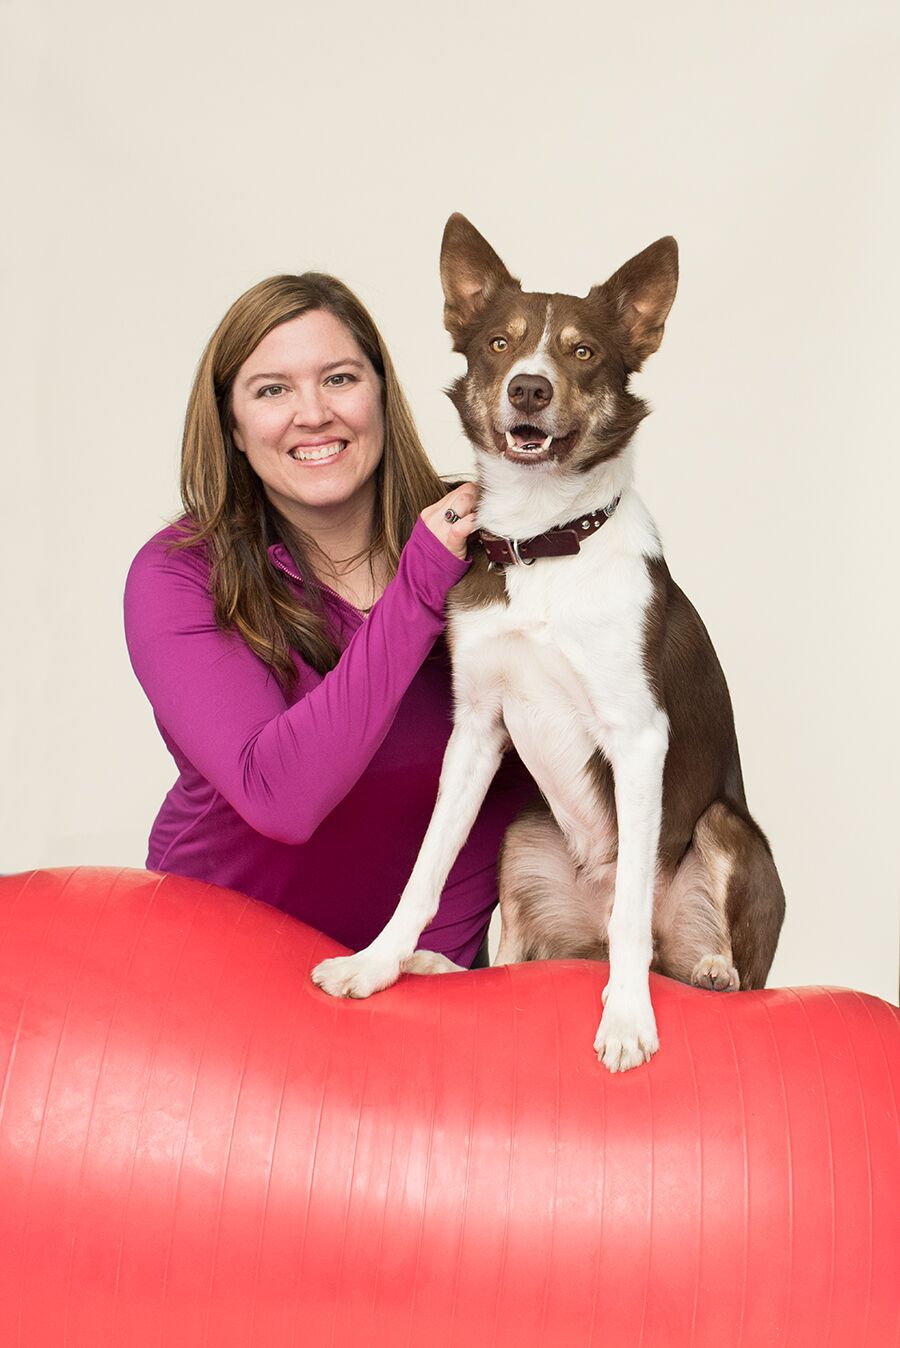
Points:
[(570, 640)]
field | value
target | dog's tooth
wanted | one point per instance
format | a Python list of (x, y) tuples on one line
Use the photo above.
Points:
[(545, 444), (510, 440)]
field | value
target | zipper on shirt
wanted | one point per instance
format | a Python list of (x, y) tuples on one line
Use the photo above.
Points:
[(293, 575)]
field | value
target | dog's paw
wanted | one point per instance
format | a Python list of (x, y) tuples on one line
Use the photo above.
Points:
[(356, 975), (627, 1035), (429, 962), (717, 973)]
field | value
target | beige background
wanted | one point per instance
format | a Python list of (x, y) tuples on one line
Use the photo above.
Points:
[(163, 158)]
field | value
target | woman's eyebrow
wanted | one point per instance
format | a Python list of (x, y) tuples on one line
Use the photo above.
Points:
[(274, 375), (332, 365)]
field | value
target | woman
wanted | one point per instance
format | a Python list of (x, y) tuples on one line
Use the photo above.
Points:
[(285, 628)]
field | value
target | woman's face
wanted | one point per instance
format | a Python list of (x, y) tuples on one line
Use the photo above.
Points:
[(307, 412)]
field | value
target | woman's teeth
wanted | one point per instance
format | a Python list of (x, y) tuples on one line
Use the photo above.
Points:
[(322, 452)]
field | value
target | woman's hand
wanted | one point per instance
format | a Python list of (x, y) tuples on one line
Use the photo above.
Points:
[(461, 501)]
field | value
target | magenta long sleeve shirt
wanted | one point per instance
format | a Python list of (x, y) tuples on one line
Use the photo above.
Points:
[(316, 803)]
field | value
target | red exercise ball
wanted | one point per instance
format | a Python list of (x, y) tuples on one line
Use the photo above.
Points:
[(198, 1147)]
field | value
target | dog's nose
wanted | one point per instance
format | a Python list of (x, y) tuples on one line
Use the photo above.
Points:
[(530, 392)]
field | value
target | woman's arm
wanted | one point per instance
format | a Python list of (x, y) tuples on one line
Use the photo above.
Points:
[(283, 769)]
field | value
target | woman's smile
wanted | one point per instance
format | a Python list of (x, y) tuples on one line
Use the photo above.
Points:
[(318, 454)]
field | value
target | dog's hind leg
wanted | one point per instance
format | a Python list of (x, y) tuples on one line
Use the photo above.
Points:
[(550, 907), (430, 962), (716, 923), (691, 938)]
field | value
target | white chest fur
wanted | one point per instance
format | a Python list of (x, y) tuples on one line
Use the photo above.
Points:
[(572, 633)]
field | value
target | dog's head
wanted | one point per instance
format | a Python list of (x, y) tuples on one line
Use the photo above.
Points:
[(547, 378)]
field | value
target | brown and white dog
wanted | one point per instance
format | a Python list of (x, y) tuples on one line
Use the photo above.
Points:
[(591, 661)]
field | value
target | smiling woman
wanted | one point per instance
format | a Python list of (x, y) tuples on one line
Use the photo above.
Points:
[(287, 628), (308, 395)]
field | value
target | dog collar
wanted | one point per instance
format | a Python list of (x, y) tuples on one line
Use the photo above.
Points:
[(563, 540)]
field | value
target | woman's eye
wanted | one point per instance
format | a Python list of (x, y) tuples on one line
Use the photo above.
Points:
[(344, 378), (499, 344), (583, 352), (269, 389)]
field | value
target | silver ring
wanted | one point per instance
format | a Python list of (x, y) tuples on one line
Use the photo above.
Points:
[(520, 560), (450, 515)]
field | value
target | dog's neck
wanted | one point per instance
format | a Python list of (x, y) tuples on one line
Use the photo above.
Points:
[(519, 502)]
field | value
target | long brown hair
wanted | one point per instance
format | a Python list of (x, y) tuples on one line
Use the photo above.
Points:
[(226, 506)]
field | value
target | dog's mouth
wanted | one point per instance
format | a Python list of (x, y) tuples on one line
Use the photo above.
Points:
[(532, 444)]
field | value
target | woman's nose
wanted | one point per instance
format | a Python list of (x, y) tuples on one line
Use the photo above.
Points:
[(311, 408)]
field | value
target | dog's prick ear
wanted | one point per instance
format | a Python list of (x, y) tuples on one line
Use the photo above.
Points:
[(640, 294), (471, 273)]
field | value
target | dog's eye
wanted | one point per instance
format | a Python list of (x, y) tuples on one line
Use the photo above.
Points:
[(583, 352), (499, 343)]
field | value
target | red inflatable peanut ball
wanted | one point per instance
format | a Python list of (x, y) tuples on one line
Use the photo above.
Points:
[(198, 1147)]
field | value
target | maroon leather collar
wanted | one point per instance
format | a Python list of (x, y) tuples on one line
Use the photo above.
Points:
[(563, 540)]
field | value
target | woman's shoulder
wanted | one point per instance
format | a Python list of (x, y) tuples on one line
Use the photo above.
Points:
[(168, 560), (171, 546)]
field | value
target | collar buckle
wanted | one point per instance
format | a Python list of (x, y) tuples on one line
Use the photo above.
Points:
[(513, 544)]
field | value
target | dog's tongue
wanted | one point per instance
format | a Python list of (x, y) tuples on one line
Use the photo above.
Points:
[(529, 435)]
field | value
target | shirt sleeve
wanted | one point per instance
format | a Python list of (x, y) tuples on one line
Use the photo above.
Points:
[(282, 768)]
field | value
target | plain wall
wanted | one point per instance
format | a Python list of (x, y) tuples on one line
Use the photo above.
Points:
[(161, 159)]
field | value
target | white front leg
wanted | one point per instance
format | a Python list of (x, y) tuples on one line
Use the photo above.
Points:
[(471, 759), (627, 1033)]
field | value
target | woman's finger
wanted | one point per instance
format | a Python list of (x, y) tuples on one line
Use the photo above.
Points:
[(453, 517)]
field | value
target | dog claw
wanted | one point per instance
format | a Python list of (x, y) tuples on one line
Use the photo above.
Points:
[(626, 1039), (715, 973), (355, 975)]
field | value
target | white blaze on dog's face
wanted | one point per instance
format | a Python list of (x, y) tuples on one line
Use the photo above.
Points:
[(547, 377)]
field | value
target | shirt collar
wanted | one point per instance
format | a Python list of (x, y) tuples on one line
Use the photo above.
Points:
[(282, 559)]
